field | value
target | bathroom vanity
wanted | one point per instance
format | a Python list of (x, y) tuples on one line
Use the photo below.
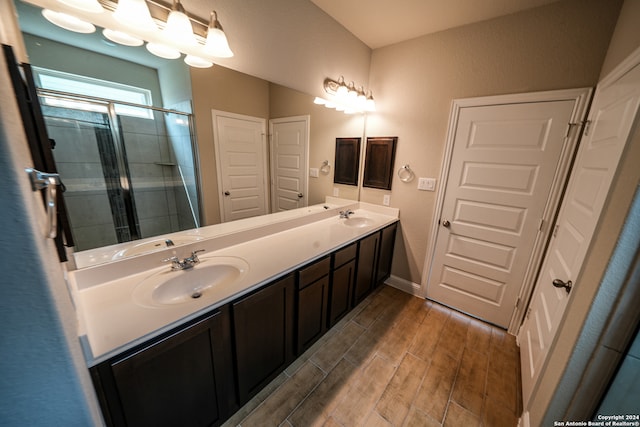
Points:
[(195, 361)]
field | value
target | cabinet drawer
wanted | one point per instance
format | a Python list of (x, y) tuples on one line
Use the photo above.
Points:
[(345, 255), (315, 271)]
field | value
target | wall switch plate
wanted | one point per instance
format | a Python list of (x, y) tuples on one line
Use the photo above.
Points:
[(336, 192), (386, 200), (427, 184), (314, 172)]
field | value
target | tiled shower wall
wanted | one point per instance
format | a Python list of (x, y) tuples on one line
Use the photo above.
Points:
[(159, 194)]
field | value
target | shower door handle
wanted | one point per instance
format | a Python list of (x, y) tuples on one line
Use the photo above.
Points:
[(49, 182)]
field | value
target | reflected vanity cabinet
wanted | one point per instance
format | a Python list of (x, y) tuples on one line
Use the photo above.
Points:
[(201, 372)]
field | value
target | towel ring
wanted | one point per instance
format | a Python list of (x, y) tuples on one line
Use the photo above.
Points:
[(326, 167), (406, 174)]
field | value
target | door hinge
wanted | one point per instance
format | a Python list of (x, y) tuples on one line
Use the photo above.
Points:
[(584, 123), (528, 313), (540, 224), (587, 124), (555, 230), (518, 303)]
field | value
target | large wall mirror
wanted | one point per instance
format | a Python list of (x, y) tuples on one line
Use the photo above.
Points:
[(162, 143)]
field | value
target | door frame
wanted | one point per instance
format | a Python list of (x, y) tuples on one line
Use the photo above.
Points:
[(305, 167), (581, 97), (216, 145)]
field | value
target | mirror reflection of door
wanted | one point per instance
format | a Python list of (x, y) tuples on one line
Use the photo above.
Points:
[(289, 162), (241, 154)]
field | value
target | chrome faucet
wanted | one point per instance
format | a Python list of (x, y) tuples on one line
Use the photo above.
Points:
[(345, 214), (186, 263)]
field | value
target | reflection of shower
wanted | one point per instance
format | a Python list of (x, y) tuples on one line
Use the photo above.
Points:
[(127, 176)]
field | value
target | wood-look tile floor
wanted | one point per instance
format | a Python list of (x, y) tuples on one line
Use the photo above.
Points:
[(396, 360)]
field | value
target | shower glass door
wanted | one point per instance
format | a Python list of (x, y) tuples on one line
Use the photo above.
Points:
[(128, 171)]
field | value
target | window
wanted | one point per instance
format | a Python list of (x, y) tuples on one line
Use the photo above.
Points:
[(81, 85)]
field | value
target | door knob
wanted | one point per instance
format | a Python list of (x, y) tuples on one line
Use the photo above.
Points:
[(446, 224), (300, 196), (226, 193), (560, 284)]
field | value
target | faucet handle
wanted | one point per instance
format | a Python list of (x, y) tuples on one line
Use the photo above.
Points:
[(194, 255)]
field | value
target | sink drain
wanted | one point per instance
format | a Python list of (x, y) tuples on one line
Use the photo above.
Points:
[(196, 295)]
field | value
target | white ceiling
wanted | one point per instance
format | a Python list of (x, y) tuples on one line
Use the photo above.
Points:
[(380, 23)]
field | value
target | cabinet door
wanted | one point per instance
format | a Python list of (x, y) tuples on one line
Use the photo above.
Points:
[(312, 312), (387, 242), (263, 330), (342, 282), (175, 381), (366, 266)]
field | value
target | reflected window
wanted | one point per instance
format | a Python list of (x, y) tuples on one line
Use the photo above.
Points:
[(81, 85)]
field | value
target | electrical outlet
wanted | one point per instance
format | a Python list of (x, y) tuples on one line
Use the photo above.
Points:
[(427, 184), (336, 192), (386, 200), (314, 172)]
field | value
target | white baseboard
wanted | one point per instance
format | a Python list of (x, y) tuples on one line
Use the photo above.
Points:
[(404, 285), (523, 421)]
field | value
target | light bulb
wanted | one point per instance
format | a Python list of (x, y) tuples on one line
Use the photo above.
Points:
[(217, 44), (178, 28), (121, 38), (68, 22), (197, 62), (134, 14), (163, 51)]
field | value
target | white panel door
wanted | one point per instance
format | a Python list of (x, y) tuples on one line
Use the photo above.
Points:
[(614, 110), (502, 168), (289, 161), (241, 165)]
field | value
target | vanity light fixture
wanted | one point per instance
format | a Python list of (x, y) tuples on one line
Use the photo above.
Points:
[(91, 6), (167, 29), (345, 97)]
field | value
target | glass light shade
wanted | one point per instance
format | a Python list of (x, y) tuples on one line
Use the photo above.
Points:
[(68, 22), (121, 38), (217, 44), (91, 6), (342, 90), (178, 28), (371, 104), (135, 14), (163, 51), (319, 101), (197, 62)]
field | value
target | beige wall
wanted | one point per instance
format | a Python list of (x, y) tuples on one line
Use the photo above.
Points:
[(219, 88), (625, 40), (558, 46)]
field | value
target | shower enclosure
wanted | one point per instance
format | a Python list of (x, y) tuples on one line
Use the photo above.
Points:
[(128, 171)]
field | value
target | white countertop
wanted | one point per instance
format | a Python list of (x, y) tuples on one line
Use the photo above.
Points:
[(111, 321)]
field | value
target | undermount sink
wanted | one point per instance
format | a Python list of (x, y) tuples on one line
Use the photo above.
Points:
[(171, 287), (140, 248), (357, 222)]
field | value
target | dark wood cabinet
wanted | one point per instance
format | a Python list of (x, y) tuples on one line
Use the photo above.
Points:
[(343, 277), (183, 378), (263, 332), (313, 298), (366, 267), (387, 242), (202, 372)]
